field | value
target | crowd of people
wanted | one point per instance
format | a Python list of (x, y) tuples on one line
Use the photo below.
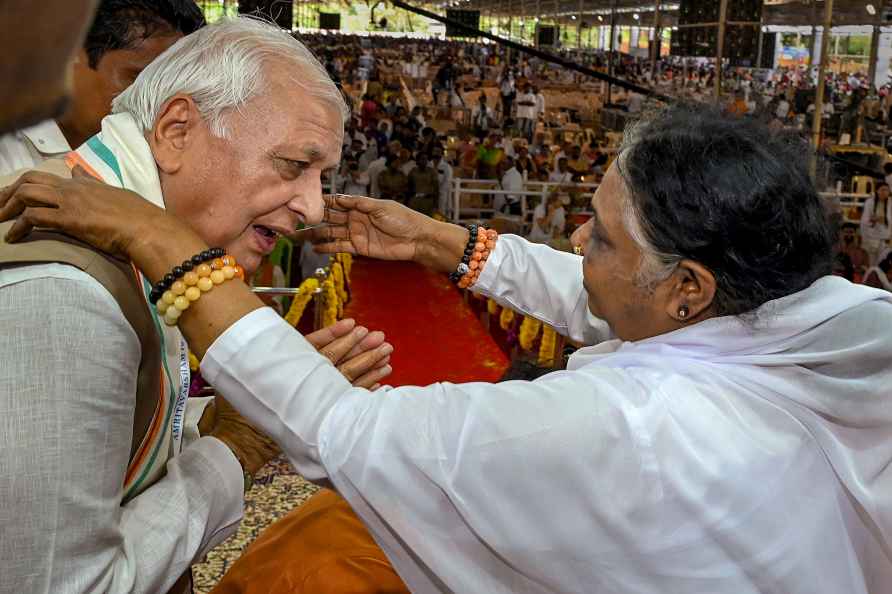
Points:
[(724, 426)]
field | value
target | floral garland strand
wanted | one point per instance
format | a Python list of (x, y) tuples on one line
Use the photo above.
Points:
[(337, 274), (529, 331), (547, 346), (506, 318), (346, 260), (492, 307), (331, 305), (301, 300)]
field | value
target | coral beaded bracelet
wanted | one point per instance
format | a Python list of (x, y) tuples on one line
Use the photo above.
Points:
[(480, 243)]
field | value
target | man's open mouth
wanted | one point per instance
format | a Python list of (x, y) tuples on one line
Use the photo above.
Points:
[(266, 231)]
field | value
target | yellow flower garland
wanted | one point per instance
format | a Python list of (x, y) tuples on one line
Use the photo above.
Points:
[(301, 300), (337, 274), (506, 318), (546, 348), (492, 307), (346, 261), (529, 330), (331, 305)]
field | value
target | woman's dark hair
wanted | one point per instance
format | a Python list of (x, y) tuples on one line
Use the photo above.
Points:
[(842, 266), (733, 195), (123, 24)]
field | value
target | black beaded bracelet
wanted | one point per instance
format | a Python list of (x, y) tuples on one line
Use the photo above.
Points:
[(463, 268), (178, 271)]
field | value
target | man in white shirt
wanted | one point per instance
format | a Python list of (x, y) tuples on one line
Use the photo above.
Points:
[(123, 39), (407, 163), (355, 182), (444, 174), (27, 147), (548, 220), (540, 103), (527, 111), (78, 516), (483, 117), (512, 181), (562, 175)]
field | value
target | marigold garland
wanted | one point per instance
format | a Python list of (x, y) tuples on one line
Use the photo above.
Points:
[(529, 330), (346, 260), (492, 307), (547, 346), (331, 305), (301, 300), (337, 274), (506, 318)]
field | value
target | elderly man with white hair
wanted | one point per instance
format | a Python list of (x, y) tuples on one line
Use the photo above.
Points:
[(113, 479)]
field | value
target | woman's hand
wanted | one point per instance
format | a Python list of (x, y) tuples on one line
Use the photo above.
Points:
[(387, 230), (108, 218), (382, 229)]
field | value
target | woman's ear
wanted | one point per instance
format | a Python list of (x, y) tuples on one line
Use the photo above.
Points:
[(692, 293)]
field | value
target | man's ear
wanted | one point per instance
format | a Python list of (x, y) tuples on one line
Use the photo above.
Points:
[(176, 128), (691, 293)]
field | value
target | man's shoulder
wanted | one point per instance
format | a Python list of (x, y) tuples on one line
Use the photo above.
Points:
[(56, 166)]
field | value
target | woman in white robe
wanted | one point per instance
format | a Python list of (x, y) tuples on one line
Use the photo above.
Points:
[(729, 430)]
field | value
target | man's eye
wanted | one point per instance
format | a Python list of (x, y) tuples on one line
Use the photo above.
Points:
[(292, 169)]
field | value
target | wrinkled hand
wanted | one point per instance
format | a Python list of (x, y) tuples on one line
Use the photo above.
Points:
[(361, 356), (381, 229), (108, 218), (251, 447)]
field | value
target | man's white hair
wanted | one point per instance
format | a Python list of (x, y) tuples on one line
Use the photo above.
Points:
[(221, 66)]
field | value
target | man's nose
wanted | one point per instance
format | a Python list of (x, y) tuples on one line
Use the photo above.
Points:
[(309, 200), (582, 234)]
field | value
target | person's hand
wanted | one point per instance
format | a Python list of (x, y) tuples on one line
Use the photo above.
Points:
[(387, 230), (361, 356), (382, 229), (251, 447), (108, 218)]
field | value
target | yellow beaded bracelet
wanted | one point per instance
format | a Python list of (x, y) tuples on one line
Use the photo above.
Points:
[(189, 288)]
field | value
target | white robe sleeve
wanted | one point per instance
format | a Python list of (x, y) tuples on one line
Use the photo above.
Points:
[(435, 471), (544, 283)]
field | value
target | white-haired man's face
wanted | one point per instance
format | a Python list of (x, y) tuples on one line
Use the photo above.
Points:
[(244, 191)]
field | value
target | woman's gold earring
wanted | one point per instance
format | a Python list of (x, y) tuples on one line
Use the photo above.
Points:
[(577, 249)]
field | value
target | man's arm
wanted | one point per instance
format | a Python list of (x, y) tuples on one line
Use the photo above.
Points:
[(67, 390)]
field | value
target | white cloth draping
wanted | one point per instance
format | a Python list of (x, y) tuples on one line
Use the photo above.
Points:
[(732, 456)]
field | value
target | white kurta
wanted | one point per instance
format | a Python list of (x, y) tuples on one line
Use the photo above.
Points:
[(720, 458), (28, 147)]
